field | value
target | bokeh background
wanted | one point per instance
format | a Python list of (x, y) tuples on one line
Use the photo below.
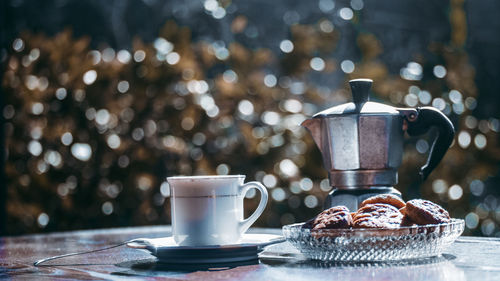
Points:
[(102, 100)]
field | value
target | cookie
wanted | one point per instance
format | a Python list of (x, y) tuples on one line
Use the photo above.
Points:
[(377, 216), (384, 199), (333, 218), (426, 212), (406, 221)]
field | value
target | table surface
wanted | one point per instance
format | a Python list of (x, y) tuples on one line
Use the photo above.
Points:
[(469, 258)]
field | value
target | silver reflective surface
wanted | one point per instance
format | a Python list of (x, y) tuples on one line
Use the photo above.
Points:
[(359, 150), (342, 149)]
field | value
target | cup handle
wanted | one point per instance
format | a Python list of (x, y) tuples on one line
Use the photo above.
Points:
[(246, 223)]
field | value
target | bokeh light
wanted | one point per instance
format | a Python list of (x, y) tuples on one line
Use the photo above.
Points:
[(226, 95)]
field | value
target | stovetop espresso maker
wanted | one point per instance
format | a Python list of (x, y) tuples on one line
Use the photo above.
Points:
[(362, 144)]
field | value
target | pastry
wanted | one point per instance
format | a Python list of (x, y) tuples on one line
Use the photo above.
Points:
[(425, 212), (333, 218), (384, 199), (377, 216), (381, 211), (406, 221)]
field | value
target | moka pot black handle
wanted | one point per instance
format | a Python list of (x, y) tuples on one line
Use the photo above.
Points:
[(428, 117)]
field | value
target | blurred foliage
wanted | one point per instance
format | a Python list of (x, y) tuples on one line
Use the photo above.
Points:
[(92, 134)]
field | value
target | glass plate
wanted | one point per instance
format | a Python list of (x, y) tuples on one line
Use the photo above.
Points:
[(364, 244)]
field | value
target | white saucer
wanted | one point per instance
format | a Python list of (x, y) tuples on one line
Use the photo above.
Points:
[(166, 250)]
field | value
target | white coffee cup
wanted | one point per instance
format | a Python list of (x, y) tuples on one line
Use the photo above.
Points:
[(208, 210)]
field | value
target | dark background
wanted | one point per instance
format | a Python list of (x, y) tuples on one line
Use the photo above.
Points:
[(406, 29)]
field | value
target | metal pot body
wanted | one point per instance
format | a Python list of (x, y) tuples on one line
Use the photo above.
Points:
[(361, 150), (362, 141)]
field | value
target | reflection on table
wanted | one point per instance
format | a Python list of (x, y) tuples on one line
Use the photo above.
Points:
[(469, 258)]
